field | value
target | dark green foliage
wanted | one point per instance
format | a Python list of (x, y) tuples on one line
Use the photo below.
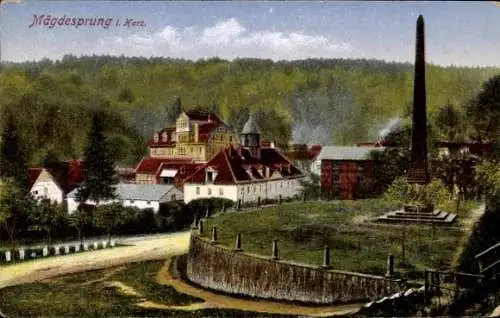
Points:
[(392, 162), (173, 216), (126, 95), (13, 161), (450, 124), (483, 112), (98, 166), (110, 217), (485, 234), (47, 216), (15, 207), (213, 205), (80, 220), (344, 101), (311, 186)]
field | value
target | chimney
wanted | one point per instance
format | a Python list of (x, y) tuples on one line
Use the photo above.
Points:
[(272, 144), (419, 169), (267, 172)]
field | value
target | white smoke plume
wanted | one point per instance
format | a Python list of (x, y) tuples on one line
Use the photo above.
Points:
[(304, 133), (391, 125)]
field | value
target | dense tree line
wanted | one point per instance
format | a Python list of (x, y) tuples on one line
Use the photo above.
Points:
[(470, 175), (322, 100)]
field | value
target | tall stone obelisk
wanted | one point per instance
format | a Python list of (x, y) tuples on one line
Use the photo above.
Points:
[(419, 170)]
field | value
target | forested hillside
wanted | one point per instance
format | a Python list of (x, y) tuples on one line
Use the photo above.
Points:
[(323, 101)]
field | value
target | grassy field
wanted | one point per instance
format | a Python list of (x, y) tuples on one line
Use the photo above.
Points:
[(303, 229), (87, 295)]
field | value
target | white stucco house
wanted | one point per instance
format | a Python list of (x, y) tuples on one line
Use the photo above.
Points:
[(142, 196), (45, 186), (247, 173), (56, 182)]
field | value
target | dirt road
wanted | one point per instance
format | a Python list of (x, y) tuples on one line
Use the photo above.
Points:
[(154, 248)]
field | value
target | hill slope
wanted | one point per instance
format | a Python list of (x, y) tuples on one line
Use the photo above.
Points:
[(324, 101)]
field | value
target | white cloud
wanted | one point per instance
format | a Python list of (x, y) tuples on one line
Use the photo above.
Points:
[(226, 39)]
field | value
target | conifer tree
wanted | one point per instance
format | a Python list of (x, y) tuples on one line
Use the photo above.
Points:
[(12, 154), (98, 166)]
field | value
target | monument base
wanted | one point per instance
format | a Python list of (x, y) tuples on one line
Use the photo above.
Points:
[(417, 175)]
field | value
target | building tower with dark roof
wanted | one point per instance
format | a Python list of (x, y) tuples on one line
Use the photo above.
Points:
[(250, 137)]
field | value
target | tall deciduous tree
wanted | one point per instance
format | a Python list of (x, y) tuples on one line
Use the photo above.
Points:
[(79, 220), (15, 206), (483, 112), (12, 155), (47, 216), (449, 123), (110, 216), (98, 166)]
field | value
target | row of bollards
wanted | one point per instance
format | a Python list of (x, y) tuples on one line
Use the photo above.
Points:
[(198, 225)]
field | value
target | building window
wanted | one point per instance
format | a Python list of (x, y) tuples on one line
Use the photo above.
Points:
[(221, 191), (230, 138), (148, 202), (242, 190), (198, 190), (254, 189), (210, 176), (131, 201), (172, 198), (336, 178), (34, 192), (248, 189), (209, 191)]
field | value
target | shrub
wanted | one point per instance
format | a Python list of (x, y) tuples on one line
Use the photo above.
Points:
[(428, 196)]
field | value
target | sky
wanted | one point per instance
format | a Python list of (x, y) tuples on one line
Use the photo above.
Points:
[(457, 33)]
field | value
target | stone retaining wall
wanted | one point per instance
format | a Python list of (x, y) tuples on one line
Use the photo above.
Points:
[(220, 268)]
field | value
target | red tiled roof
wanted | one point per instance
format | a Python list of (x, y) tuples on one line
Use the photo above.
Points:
[(151, 165), (68, 175), (204, 130), (232, 165), (315, 150), (33, 174), (202, 116)]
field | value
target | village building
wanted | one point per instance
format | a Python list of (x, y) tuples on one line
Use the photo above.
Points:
[(303, 157), (55, 182), (141, 196), (196, 136), (157, 170), (245, 173), (192, 141), (345, 169)]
